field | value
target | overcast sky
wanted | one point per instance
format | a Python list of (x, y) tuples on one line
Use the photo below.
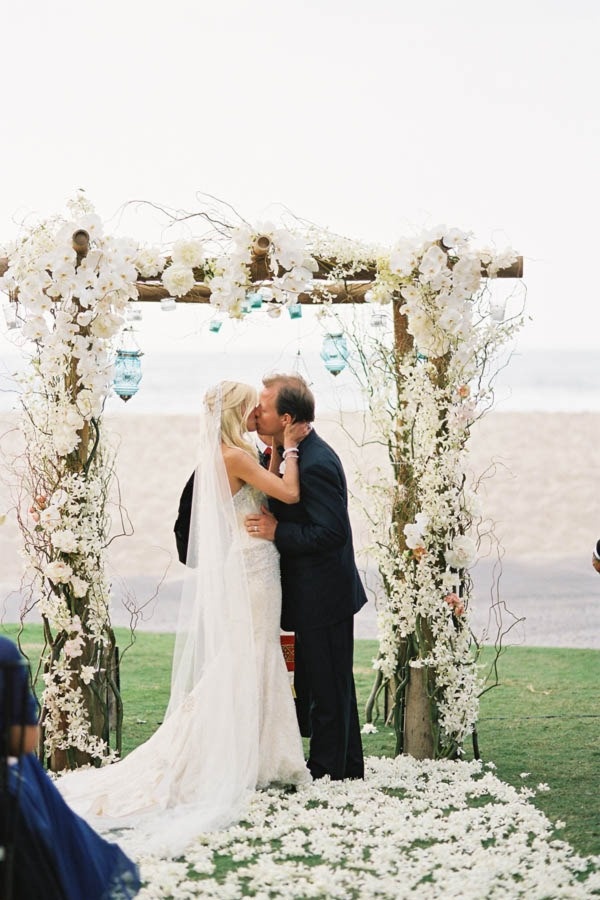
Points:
[(374, 119)]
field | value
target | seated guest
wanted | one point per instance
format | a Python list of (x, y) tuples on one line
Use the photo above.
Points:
[(596, 557), (51, 852)]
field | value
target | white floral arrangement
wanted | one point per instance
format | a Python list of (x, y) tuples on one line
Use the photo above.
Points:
[(288, 259), (72, 308), (424, 397)]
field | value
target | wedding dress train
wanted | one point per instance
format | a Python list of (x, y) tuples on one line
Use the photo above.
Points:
[(230, 726)]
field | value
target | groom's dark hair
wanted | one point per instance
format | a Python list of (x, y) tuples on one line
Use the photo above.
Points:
[(293, 396)]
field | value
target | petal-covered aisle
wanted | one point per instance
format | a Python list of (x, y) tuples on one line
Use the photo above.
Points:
[(427, 829)]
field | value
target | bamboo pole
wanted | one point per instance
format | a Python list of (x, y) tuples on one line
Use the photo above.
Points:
[(351, 290)]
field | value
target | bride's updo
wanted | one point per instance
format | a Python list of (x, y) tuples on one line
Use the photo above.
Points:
[(237, 402)]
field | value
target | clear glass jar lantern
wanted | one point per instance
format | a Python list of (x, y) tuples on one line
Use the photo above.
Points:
[(334, 352), (128, 366)]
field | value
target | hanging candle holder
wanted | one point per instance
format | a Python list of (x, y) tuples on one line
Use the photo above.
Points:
[(134, 311), (378, 319), (334, 352), (128, 366), (254, 299), (215, 324), (10, 315), (498, 310), (295, 310)]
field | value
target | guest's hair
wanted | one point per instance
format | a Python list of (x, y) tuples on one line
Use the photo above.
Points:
[(238, 402), (293, 396)]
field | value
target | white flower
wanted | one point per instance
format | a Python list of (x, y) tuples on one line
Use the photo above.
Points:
[(413, 532), (106, 324), (188, 253), (58, 572), (403, 258), (462, 553), (74, 647), (434, 261), (178, 280), (64, 541), (50, 517), (80, 586), (368, 728), (87, 674), (148, 262)]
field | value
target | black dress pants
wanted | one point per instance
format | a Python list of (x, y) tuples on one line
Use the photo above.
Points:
[(325, 687)]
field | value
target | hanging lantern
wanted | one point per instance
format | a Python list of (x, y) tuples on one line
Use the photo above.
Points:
[(378, 319), (10, 315), (295, 311), (128, 366), (334, 352), (134, 311), (255, 299), (497, 310), (215, 324)]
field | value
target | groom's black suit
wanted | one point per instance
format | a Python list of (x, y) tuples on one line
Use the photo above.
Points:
[(321, 593)]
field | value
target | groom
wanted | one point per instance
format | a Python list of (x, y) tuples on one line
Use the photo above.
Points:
[(320, 583)]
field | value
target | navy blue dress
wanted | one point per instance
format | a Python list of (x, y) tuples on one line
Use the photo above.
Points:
[(57, 855)]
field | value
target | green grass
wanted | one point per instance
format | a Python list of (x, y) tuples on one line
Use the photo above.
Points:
[(543, 719)]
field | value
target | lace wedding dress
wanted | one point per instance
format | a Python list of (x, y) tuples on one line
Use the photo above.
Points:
[(230, 726), (280, 753)]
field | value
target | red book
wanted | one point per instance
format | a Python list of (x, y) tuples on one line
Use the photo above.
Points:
[(287, 646)]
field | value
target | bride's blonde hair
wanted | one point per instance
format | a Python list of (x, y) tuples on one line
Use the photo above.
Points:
[(238, 402)]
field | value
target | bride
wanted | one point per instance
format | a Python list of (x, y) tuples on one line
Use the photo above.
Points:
[(230, 726)]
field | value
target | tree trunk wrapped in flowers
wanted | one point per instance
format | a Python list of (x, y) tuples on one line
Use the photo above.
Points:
[(72, 286), (425, 390)]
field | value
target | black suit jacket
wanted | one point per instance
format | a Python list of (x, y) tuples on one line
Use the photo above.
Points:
[(319, 578)]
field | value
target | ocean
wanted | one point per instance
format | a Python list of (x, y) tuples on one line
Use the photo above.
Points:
[(182, 358)]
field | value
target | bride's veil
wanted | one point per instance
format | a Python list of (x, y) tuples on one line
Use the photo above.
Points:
[(214, 653), (197, 770)]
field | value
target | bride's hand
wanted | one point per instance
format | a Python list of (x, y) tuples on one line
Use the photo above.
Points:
[(294, 433)]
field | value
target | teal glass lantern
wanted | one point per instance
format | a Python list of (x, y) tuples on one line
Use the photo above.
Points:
[(255, 299), (334, 352), (295, 311), (128, 366), (215, 324)]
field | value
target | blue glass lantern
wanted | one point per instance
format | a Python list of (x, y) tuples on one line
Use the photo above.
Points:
[(295, 311), (215, 324), (334, 352), (128, 366), (255, 299)]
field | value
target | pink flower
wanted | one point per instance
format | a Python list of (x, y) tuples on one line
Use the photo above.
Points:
[(455, 603)]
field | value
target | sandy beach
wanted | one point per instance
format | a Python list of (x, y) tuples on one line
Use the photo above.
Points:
[(540, 490)]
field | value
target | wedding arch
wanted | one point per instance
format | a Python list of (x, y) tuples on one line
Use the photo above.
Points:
[(426, 380)]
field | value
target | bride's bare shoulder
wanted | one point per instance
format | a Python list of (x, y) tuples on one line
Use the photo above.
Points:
[(235, 457)]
